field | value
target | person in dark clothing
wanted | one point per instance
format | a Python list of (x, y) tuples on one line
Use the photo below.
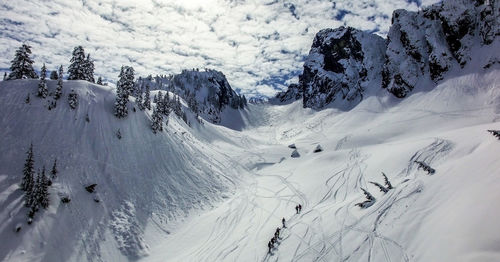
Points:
[(297, 209), (300, 208), (283, 222)]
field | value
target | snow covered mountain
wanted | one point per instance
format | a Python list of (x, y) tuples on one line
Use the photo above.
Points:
[(209, 193), (379, 178), (341, 65), (141, 177), (207, 93), (344, 64), (425, 45)]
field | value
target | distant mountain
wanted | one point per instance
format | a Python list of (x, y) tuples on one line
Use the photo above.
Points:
[(207, 93), (345, 64)]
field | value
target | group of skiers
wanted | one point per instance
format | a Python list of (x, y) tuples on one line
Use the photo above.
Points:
[(274, 240), (298, 208)]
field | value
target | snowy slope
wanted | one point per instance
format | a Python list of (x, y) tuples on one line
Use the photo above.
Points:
[(211, 193), (447, 216), (141, 178)]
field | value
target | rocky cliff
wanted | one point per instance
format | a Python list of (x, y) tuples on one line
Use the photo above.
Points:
[(345, 64)]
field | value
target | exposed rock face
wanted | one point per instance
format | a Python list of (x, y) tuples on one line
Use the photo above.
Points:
[(341, 64), (294, 92), (430, 42), (344, 64)]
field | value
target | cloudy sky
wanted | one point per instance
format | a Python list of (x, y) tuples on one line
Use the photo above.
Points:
[(258, 44)]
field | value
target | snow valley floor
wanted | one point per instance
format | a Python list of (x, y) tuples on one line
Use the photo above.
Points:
[(445, 215)]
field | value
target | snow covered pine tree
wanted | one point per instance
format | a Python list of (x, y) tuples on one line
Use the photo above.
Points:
[(147, 99), (22, 65), (124, 87), (58, 92), (99, 81), (73, 99), (54, 75), (27, 181), (157, 121), (43, 91), (81, 68)]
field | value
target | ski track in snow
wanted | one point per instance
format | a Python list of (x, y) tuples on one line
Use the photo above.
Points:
[(264, 184)]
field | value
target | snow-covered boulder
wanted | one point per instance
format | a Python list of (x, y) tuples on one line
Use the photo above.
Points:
[(318, 149), (295, 154), (293, 146), (18, 227)]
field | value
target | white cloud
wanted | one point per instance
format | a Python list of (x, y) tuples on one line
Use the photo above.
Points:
[(257, 44)]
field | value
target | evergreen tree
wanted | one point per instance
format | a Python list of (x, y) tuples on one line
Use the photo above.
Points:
[(157, 121), (53, 75), (124, 87), (155, 99), (77, 70), (138, 101), (43, 189), (36, 194), (99, 81), (54, 170), (159, 103), (120, 103), (177, 106), (89, 69), (43, 91), (73, 99), (166, 104), (28, 170), (22, 65), (58, 92), (147, 99), (126, 81)]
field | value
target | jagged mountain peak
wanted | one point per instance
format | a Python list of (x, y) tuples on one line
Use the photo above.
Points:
[(345, 64)]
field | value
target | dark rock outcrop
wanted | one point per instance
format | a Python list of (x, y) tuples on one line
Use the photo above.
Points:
[(344, 64)]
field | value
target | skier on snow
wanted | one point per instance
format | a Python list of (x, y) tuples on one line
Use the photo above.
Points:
[(283, 222)]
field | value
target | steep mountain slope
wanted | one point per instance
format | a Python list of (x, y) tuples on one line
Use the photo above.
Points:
[(141, 178), (447, 216)]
